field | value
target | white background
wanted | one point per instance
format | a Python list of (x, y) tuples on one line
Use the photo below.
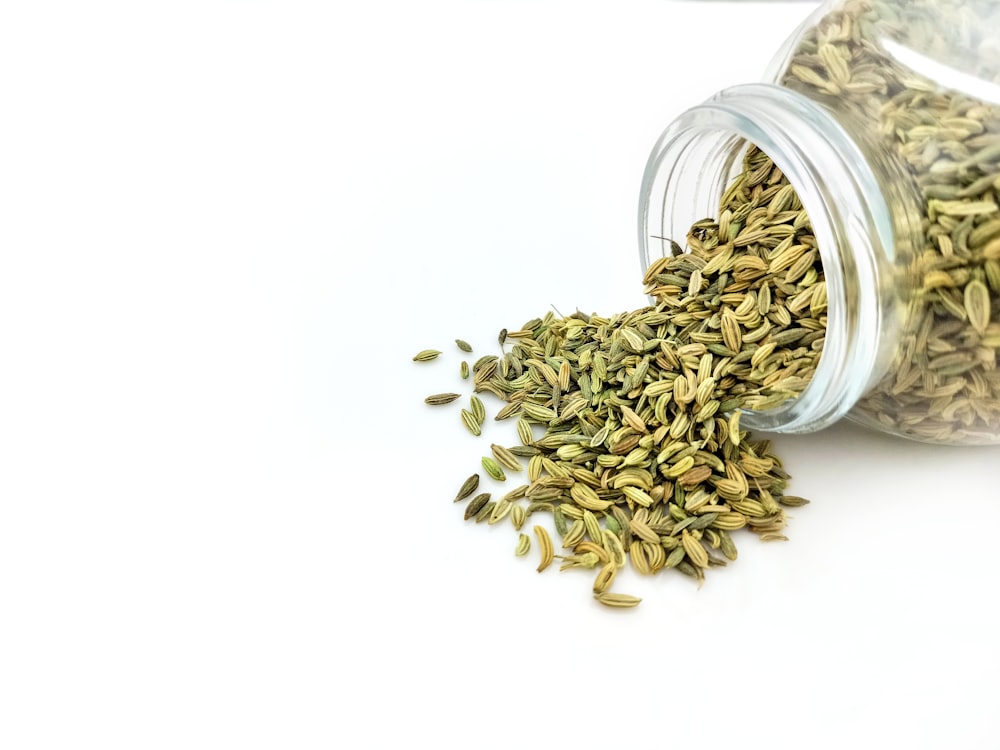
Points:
[(225, 512)]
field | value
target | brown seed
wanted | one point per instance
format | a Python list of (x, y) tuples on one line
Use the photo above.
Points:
[(792, 501), (476, 505), (468, 487), (695, 476)]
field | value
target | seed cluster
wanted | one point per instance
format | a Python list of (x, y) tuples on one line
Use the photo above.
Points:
[(629, 425)]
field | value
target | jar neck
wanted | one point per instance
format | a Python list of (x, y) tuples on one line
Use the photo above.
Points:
[(847, 199)]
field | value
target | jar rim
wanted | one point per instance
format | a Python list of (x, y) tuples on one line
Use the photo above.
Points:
[(693, 162)]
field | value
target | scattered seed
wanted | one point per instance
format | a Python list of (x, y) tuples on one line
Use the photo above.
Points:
[(545, 545), (469, 486), (441, 398), (611, 599), (493, 469)]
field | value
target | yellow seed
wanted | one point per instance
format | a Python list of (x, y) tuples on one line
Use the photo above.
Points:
[(500, 511), (695, 552), (734, 427), (523, 545), (679, 468), (535, 467), (587, 498), (471, 423), (728, 521), (564, 374), (611, 599), (518, 515), (592, 526), (545, 545), (524, 432), (605, 577), (641, 530), (614, 547), (633, 420), (637, 554), (574, 535), (656, 555), (977, 305), (637, 496), (772, 537)]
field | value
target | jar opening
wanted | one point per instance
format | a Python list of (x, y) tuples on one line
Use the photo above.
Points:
[(689, 169)]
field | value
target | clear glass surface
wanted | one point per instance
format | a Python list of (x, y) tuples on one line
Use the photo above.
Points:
[(885, 116)]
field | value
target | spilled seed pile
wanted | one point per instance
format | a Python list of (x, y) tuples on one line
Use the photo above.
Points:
[(628, 426)]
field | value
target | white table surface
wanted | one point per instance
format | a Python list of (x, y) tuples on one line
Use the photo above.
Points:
[(225, 512)]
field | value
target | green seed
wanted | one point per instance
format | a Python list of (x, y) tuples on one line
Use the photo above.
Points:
[(493, 469)]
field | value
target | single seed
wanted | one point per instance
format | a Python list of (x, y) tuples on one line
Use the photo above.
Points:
[(469, 486), (605, 577), (611, 599), (441, 398), (977, 305), (426, 355), (485, 512), (524, 432), (477, 408), (493, 469), (470, 422), (505, 458), (523, 545), (545, 545)]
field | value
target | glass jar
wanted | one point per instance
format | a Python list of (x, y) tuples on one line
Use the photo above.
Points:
[(884, 115)]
